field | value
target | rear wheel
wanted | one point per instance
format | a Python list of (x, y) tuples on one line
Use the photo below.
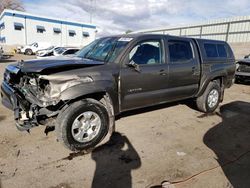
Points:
[(82, 125), (210, 99), (28, 52)]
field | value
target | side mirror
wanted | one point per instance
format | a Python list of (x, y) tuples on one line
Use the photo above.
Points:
[(134, 65)]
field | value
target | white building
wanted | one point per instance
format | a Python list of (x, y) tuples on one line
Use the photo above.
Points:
[(20, 28)]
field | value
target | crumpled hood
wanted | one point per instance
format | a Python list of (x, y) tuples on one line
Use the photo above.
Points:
[(50, 64)]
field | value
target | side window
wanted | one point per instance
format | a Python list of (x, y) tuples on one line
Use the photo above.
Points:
[(211, 50), (215, 50), (146, 53), (40, 29), (72, 33), (18, 26), (180, 51), (222, 50), (35, 44), (71, 51)]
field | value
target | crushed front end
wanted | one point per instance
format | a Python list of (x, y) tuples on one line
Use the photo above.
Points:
[(28, 96)]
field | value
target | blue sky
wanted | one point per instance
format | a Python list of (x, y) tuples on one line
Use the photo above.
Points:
[(113, 16)]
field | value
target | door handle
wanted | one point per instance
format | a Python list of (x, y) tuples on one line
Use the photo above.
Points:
[(162, 72)]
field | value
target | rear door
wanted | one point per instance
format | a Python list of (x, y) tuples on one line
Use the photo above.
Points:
[(146, 86), (184, 68)]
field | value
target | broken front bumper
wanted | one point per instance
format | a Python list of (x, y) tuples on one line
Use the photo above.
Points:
[(10, 101)]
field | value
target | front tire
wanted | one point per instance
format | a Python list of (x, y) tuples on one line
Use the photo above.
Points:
[(210, 99), (82, 125)]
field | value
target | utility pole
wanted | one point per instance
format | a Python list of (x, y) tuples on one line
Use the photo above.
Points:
[(91, 11)]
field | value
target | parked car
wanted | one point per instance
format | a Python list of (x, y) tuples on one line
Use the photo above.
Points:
[(65, 51), (46, 52), (247, 56), (243, 70), (1, 52), (33, 48), (80, 95), (58, 51)]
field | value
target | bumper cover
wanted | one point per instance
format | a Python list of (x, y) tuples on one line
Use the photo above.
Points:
[(9, 99)]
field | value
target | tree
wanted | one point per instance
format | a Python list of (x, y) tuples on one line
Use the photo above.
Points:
[(128, 31), (11, 4)]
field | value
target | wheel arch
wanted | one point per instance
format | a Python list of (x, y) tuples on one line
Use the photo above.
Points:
[(212, 77), (97, 91)]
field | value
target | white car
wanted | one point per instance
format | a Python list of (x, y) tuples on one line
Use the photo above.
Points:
[(34, 47), (59, 51), (48, 51), (65, 51)]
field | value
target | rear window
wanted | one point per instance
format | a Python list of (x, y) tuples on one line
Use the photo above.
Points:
[(180, 51), (215, 50), (222, 50)]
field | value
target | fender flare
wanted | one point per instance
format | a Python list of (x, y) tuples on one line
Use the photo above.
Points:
[(212, 76), (83, 90)]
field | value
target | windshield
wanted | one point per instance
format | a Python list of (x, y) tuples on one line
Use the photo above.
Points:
[(104, 49)]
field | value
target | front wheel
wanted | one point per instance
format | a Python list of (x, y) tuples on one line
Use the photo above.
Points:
[(210, 99), (82, 125)]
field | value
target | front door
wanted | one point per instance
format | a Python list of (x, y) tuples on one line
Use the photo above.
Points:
[(144, 86)]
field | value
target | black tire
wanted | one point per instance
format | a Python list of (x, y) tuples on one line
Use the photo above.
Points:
[(202, 101), (66, 118), (28, 52)]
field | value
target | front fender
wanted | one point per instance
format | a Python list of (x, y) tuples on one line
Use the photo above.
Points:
[(84, 89)]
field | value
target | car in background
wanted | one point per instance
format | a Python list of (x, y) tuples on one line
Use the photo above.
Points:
[(1, 52), (33, 48), (66, 51), (242, 73), (247, 56), (48, 51), (60, 51)]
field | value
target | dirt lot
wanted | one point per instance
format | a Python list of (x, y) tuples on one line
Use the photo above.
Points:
[(170, 142)]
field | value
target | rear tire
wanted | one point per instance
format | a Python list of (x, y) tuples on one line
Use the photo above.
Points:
[(210, 99), (28, 52), (77, 130)]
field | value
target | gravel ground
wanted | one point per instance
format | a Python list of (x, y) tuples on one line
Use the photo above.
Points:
[(171, 142)]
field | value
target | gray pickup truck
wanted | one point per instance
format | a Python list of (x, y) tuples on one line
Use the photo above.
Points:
[(81, 95)]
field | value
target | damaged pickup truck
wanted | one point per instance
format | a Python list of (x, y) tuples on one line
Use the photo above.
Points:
[(81, 95)]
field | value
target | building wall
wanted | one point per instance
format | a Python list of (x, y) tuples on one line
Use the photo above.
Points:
[(232, 30), (29, 33), (240, 49)]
